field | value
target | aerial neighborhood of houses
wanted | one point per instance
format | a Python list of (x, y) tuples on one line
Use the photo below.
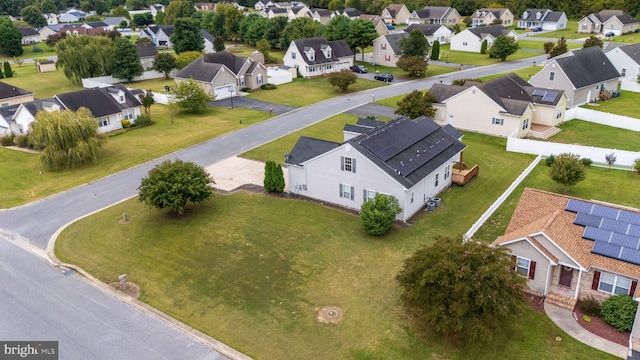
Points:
[(568, 248)]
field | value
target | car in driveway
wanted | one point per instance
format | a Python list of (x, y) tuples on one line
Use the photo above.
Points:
[(386, 77), (610, 34), (359, 69), (537, 29)]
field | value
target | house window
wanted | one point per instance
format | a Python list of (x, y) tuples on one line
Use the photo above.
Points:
[(464, 43), (623, 72), (523, 265), (328, 53), (437, 179), (525, 124), (368, 195), (121, 98), (412, 197), (346, 191), (103, 122), (447, 171), (128, 114), (348, 164), (329, 66), (613, 284), (259, 79), (552, 75), (293, 55), (383, 46), (497, 121), (242, 81), (559, 114), (584, 26), (312, 56)]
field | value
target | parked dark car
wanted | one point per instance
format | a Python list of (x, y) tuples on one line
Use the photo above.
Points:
[(538, 29), (359, 69), (610, 34), (383, 77)]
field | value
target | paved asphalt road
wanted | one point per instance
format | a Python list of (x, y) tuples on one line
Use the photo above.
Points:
[(38, 303)]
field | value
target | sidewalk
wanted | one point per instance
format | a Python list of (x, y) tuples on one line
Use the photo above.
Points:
[(565, 321)]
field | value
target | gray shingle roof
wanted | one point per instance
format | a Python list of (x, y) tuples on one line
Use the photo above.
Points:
[(307, 148), (443, 92), (493, 30), (8, 91), (481, 13), (394, 41), (28, 32), (587, 66), (206, 67), (422, 14), (167, 29), (97, 24), (553, 16), (605, 15), (145, 50), (427, 29), (438, 12), (98, 100), (339, 48), (633, 51), (114, 20), (207, 36)]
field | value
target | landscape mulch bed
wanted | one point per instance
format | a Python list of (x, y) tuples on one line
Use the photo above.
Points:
[(597, 326)]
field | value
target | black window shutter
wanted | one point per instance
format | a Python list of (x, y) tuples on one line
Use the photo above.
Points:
[(353, 165), (352, 193), (340, 189), (342, 163), (364, 195)]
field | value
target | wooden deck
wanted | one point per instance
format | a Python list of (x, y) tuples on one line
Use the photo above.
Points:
[(460, 175)]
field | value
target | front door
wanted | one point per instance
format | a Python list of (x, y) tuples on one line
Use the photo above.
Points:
[(565, 276)]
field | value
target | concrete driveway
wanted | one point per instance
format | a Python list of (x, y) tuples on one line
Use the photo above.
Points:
[(243, 102), (232, 172)]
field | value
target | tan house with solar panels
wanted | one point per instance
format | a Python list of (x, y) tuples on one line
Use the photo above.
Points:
[(411, 160), (571, 249), (505, 106)]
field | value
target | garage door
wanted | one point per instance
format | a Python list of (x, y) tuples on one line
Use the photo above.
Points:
[(223, 92)]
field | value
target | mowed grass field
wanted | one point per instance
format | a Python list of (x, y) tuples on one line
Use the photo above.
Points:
[(253, 270)]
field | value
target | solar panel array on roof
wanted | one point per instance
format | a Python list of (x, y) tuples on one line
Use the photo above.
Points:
[(423, 156), (549, 96), (390, 141), (615, 232), (538, 92)]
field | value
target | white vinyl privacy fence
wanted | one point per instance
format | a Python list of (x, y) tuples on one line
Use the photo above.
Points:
[(603, 118)]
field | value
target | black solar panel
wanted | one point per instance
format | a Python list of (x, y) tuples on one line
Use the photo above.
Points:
[(605, 211), (630, 217), (634, 230), (584, 219), (606, 249), (630, 255), (615, 226), (538, 92), (625, 240), (549, 96), (596, 234), (392, 140), (424, 156), (579, 206)]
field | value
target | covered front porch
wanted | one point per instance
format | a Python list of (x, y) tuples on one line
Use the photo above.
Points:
[(564, 286)]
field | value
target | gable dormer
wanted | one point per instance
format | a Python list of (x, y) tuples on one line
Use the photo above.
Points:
[(525, 15), (118, 95), (538, 15), (326, 50), (311, 54)]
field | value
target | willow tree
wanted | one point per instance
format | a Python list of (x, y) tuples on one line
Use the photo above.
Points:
[(68, 139), (85, 56)]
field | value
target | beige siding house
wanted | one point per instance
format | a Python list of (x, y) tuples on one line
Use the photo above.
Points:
[(395, 14), (386, 49), (443, 15), (561, 244), (489, 16), (608, 21)]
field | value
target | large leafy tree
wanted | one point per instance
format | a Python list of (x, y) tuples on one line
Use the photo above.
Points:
[(218, 44), (275, 27), (377, 214), (256, 30), (416, 104), (48, 6), (186, 36), (464, 290), (415, 66), (170, 185), (164, 63), (342, 79), (143, 19), (361, 34), (337, 28), (560, 48), (503, 46), (414, 45), (125, 60), (68, 139), (178, 9), (300, 28), (568, 170), (191, 97), (10, 38), (85, 56), (186, 58), (33, 16), (232, 19)]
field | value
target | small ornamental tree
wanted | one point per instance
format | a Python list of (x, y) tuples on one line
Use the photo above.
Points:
[(416, 104), (1, 74), (547, 47), (191, 97), (415, 66), (435, 50), (147, 101), (503, 46), (414, 45), (465, 290), (567, 169), (186, 58), (164, 63), (636, 165), (273, 177), (609, 158), (483, 47), (377, 214), (342, 79), (218, 44), (8, 72), (593, 41), (172, 184), (619, 311), (560, 48)]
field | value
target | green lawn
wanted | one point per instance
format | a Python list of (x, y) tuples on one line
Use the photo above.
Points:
[(23, 182), (44, 85), (539, 45), (476, 59), (587, 133), (626, 104), (569, 33), (302, 92), (242, 49), (525, 73), (28, 53), (432, 70), (239, 268), (597, 185)]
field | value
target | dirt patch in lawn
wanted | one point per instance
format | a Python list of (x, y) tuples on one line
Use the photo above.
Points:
[(132, 289)]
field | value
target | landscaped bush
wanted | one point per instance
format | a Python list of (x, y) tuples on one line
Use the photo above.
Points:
[(143, 120), (268, 87), (590, 306), (7, 140), (246, 89), (586, 162), (636, 165), (126, 123), (22, 141), (550, 160), (619, 311), (461, 82)]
